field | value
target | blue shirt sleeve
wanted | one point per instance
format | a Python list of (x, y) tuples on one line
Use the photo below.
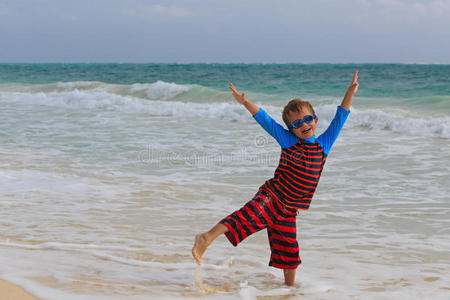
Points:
[(327, 139), (283, 136)]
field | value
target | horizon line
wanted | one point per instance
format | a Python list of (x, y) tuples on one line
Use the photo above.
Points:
[(231, 63)]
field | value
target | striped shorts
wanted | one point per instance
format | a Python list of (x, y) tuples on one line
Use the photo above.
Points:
[(264, 212)]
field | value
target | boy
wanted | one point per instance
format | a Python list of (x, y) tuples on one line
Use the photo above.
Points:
[(276, 203)]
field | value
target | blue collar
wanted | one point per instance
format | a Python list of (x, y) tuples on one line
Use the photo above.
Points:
[(310, 140)]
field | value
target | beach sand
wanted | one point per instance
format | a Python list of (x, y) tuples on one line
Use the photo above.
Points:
[(9, 291)]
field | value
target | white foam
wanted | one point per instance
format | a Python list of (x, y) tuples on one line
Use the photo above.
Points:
[(66, 246), (170, 99), (101, 100), (394, 120), (45, 292), (252, 293), (149, 264), (161, 90), (158, 90), (401, 122), (121, 222)]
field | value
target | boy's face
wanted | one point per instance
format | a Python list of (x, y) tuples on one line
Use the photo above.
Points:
[(306, 130)]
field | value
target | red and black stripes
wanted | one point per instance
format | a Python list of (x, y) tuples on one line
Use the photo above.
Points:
[(297, 174), (264, 212)]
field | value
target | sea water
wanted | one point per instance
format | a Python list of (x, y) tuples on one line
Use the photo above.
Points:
[(107, 172)]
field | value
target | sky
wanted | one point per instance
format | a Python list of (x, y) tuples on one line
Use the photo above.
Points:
[(228, 31)]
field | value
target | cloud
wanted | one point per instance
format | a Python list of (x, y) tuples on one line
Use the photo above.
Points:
[(173, 11), (209, 30), (158, 11), (413, 17), (414, 7)]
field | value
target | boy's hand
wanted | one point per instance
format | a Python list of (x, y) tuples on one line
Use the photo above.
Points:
[(353, 88), (239, 97), (252, 108)]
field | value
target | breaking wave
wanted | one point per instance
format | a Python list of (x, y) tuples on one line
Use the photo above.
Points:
[(195, 101)]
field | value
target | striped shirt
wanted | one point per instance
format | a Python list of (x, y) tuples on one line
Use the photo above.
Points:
[(301, 161)]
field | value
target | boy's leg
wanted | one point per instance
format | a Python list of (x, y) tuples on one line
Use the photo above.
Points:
[(237, 226), (289, 276), (285, 254), (203, 240), (283, 244)]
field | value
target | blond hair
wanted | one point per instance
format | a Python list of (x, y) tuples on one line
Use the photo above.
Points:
[(296, 105)]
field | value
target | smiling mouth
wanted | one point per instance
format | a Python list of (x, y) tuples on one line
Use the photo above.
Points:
[(306, 130)]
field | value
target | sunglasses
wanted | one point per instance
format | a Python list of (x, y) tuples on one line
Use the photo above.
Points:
[(298, 123)]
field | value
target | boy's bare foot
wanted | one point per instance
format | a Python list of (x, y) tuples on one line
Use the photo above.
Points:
[(199, 248), (203, 240)]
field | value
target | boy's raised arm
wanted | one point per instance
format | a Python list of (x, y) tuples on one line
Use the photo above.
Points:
[(351, 91), (249, 105), (330, 135), (283, 136)]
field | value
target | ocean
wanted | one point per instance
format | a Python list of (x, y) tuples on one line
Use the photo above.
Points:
[(107, 172)]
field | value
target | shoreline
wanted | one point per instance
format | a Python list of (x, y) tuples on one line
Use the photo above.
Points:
[(11, 291)]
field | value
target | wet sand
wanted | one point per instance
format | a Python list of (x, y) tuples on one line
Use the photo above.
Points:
[(9, 291)]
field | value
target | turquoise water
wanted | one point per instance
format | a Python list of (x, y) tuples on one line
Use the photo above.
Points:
[(107, 171), (392, 80)]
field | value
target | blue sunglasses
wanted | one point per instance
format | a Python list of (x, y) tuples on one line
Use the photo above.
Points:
[(298, 123)]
